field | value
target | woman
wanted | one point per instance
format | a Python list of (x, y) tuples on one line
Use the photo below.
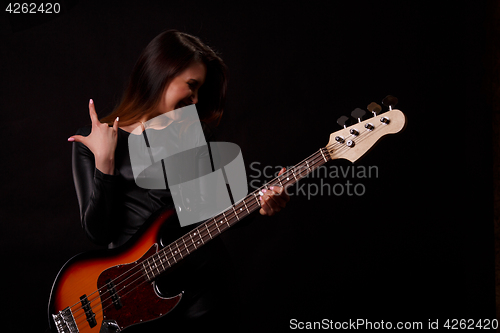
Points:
[(174, 70)]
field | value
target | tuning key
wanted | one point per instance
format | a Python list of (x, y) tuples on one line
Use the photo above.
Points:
[(358, 113), (390, 101), (343, 121), (374, 108)]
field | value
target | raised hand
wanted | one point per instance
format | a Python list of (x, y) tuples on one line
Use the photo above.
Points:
[(101, 141), (273, 199)]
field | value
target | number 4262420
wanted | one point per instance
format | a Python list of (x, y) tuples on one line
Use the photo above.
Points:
[(33, 8), (484, 324)]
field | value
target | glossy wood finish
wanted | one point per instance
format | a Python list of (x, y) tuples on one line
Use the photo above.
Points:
[(80, 277), (139, 301)]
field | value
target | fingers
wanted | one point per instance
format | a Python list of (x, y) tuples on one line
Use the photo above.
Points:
[(76, 138), (280, 194), (95, 121), (268, 206), (265, 209), (278, 198), (115, 124), (273, 200), (92, 113)]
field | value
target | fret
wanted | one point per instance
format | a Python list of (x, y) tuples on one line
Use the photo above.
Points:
[(173, 256), (293, 173), (225, 218), (279, 181), (151, 268), (235, 213), (192, 240), (166, 258), (258, 202), (201, 236), (180, 252), (321, 150), (208, 231), (146, 271), (152, 265), (246, 206), (217, 225), (156, 266), (161, 261), (223, 226), (185, 245), (308, 167), (304, 170)]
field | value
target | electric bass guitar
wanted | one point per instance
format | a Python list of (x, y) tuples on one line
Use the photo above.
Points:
[(108, 293)]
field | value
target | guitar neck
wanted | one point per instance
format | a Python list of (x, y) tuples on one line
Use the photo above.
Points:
[(208, 230), (349, 143)]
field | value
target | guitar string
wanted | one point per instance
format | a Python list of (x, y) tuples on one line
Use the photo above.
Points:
[(200, 230), (214, 222), (239, 203), (233, 220), (166, 255), (291, 170), (192, 243), (316, 156), (173, 255), (158, 256)]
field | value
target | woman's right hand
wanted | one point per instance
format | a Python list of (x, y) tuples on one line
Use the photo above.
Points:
[(101, 141)]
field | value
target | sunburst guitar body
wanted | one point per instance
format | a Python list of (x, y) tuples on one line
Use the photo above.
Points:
[(111, 289)]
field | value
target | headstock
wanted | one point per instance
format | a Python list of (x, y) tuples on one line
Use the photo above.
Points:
[(354, 141)]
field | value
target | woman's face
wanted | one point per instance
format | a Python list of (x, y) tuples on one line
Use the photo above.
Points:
[(183, 90)]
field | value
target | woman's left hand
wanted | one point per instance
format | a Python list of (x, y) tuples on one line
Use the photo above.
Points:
[(274, 199)]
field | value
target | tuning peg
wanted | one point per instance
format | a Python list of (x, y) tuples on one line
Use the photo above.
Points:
[(358, 113), (343, 121), (374, 108), (390, 101)]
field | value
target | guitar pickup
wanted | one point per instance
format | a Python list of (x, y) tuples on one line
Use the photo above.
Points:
[(114, 295), (88, 311)]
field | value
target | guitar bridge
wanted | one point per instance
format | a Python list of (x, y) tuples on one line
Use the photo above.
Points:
[(65, 322)]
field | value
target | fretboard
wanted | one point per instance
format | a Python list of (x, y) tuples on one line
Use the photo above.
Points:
[(208, 230)]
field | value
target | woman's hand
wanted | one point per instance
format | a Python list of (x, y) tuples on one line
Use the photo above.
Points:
[(273, 199), (101, 141)]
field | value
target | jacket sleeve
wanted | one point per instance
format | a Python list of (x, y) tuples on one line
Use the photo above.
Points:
[(96, 192)]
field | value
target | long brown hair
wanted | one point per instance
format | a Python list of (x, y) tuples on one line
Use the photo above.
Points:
[(165, 57)]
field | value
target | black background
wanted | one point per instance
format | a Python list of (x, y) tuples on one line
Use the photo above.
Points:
[(418, 244)]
